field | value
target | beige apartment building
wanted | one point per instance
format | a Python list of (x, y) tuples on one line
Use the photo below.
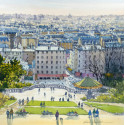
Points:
[(50, 62)]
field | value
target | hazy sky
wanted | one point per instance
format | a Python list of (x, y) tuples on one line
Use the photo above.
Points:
[(63, 7)]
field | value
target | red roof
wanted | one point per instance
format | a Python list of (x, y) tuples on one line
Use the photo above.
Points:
[(52, 75)]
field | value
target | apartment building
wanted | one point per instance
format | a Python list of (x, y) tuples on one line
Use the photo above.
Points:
[(50, 62)]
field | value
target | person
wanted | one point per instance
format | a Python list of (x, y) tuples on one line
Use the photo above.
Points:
[(27, 99), (97, 113), (24, 110), (11, 113), (57, 117), (32, 98), (19, 102), (90, 114), (79, 104), (94, 112), (44, 94), (7, 113), (22, 101), (41, 104), (74, 96)]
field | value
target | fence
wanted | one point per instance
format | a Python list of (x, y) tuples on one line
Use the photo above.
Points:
[(20, 90)]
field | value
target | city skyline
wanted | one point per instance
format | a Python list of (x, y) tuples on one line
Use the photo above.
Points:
[(64, 7)]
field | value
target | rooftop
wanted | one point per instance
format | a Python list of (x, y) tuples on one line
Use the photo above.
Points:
[(46, 48)]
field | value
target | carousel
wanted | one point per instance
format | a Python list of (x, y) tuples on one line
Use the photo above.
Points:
[(88, 84)]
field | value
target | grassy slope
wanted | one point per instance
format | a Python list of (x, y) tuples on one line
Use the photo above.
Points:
[(106, 107), (54, 103), (62, 111), (8, 103)]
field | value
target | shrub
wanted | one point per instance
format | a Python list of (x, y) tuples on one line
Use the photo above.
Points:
[(84, 98), (12, 98)]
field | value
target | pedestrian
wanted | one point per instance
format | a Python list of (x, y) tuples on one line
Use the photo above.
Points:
[(19, 102), (32, 98), (11, 113), (90, 114), (27, 99), (57, 117), (41, 104), (22, 101), (94, 112), (97, 113), (74, 96), (7, 113), (81, 105), (44, 94)]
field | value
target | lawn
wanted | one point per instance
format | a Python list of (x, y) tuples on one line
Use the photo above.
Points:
[(7, 103), (62, 111), (106, 107), (10, 102), (53, 103)]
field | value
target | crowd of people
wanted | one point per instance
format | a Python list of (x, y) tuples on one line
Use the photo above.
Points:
[(95, 113)]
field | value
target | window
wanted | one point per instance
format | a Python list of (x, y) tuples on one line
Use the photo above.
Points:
[(41, 61), (56, 62), (42, 72), (46, 72), (51, 67), (51, 62), (42, 52), (46, 62), (38, 62), (51, 57), (42, 57), (56, 51), (51, 72), (47, 67), (60, 57), (41, 66), (56, 72), (37, 57), (56, 57), (51, 52), (37, 51), (37, 67), (56, 67), (47, 57), (46, 51), (37, 71)]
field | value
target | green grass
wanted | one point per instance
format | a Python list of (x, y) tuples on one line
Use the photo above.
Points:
[(10, 102), (53, 103), (62, 111), (106, 107), (7, 103)]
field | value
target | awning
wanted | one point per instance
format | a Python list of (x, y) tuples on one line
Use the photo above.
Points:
[(52, 75), (77, 74)]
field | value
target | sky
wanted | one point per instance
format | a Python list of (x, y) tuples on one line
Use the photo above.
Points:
[(63, 7)]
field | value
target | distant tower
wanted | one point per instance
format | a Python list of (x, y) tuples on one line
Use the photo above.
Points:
[(11, 35)]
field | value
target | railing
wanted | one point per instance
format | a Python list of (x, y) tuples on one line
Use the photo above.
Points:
[(20, 90)]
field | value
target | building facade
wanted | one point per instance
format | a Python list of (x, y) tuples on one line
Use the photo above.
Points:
[(50, 62)]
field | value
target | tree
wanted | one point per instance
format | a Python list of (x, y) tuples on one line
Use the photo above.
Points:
[(10, 72)]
